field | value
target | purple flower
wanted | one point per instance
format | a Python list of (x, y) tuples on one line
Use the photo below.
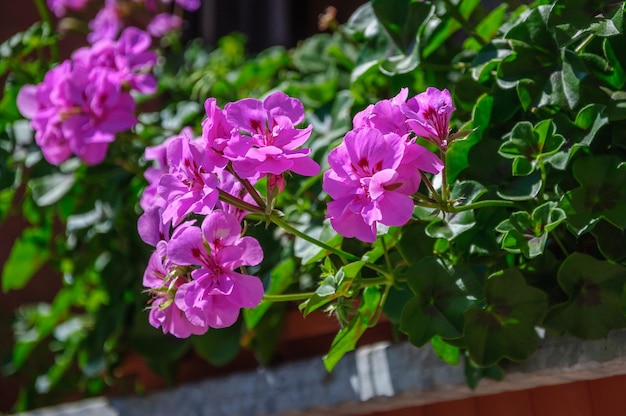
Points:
[(190, 5), (386, 115), (265, 139), (162, 283), (107, 23), (84, 102), (47, 106), (164, 23), (429, 113), (371, 179), (59, 7), (157, 154), (216, 132), (190, 186), (216, 294)]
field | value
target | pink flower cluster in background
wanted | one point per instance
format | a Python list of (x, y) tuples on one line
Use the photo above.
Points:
[(192, 273), (83, 102), (376, 170), (153, 15)]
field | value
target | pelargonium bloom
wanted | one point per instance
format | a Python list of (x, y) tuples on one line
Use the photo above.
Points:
[(216, 294), (190, 186), (386, 115), (74, 111), (59, 7), (164, 23), (371, 179), (164, 313), (157, 154), (265, 139), (429, 114), (128, 60), (107, 24)]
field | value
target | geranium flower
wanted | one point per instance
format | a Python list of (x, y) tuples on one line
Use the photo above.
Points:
[(216, 294), (164, 313), (386, 115), (371, 179), (265, 139), (190, 186), (428, 115)]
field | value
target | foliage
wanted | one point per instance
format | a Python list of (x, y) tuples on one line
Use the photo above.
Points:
[(524, 230)]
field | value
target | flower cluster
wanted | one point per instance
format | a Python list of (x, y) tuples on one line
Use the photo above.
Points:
[(192, 273), (376, 170), (117, 14), (83, 102)]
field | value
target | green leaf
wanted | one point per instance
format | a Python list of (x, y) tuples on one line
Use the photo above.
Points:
[(30, 251), (563, 86), (504, 327), (281, 277), (454, 224), (611, 241), (475, 373), (580, 134), (347, 337), (49, 189), (527, 145), (438, 305), (487, 28), (595, 289), (527, 233), (521, 188), (332, 287), (448, 25), (402, 19), (601, 195), (458, 152), (218, 346), (445, 351)]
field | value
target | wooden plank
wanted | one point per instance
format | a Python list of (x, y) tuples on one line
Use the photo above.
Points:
[(571, 399), (512, 403), (608, 396)]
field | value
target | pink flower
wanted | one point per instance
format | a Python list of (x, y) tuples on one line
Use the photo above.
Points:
[(59, 7), (84, 102), (371, 179), (157, 154), (429, 113), (265, 140), (164, 23), (216, 131), (74, 111), (385, 115), (216, 294), (190, 186), (164, 313), (107, 24)]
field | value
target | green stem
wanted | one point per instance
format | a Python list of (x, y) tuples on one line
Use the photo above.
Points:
[(445, 189), (584, 43), (544, 177), (288, 297), (246, 184), (45, 17), (430, 187), (465, 24), (238, 203), (423, 198), (560, 243), (288, 227), (378, 270), (481, 204)]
